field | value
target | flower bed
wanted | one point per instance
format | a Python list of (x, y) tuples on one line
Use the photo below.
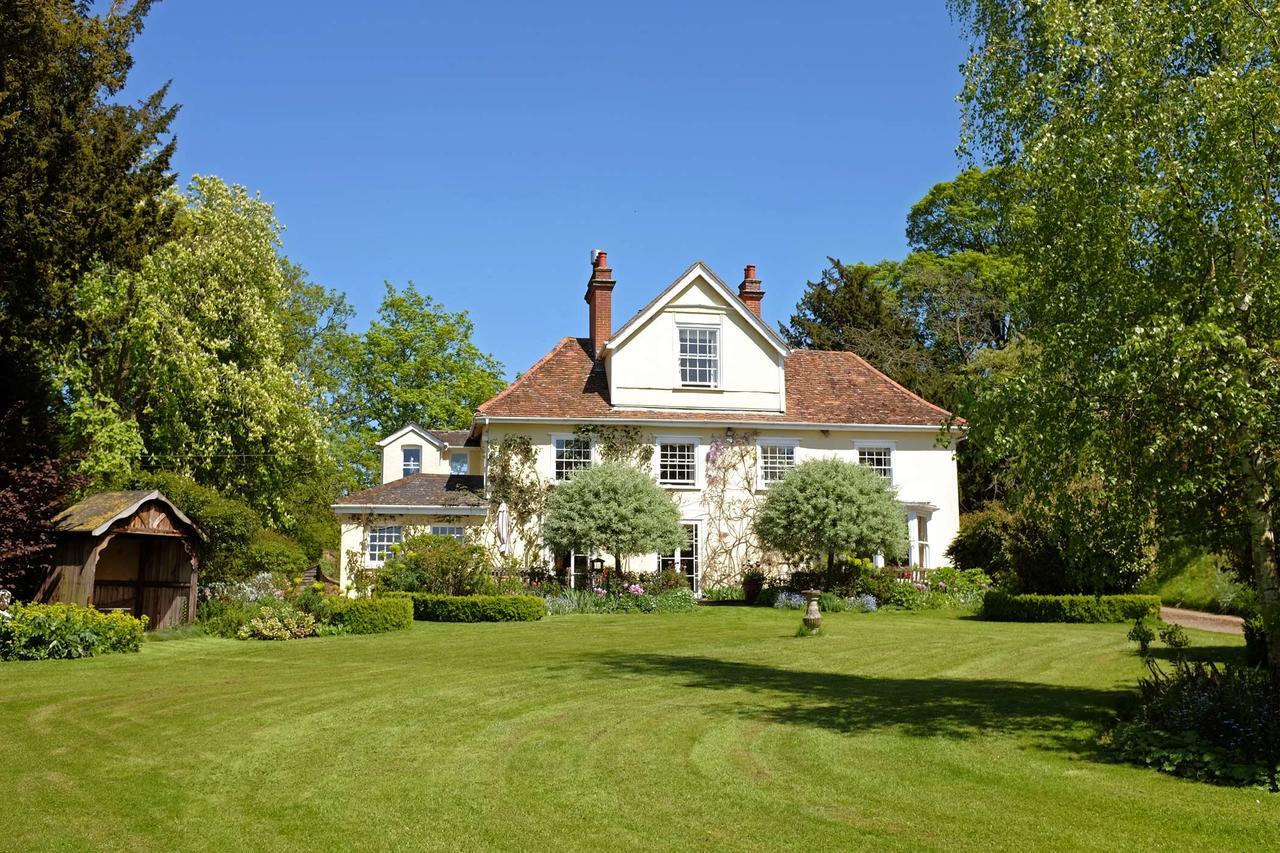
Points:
[(632, 599)]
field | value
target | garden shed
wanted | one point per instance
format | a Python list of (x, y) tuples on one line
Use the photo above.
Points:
[(132, 551)]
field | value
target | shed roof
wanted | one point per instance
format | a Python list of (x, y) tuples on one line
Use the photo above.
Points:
[(96, 513)]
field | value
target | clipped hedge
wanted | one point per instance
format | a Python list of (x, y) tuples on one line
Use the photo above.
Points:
[(429, 607), (64, 631), (368, 615), (1003, 607)]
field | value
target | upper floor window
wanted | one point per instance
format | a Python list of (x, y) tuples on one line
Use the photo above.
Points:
[(381, 540), (776, 459), (570, 455), (677, 463), (699, 357), (459, 462), (457, 531), (412, 460), (878, 459)]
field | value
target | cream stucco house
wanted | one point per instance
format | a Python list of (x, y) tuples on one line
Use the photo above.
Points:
[(725, 405)]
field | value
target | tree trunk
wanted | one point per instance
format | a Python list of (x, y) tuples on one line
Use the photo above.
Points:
[(1259, 497)]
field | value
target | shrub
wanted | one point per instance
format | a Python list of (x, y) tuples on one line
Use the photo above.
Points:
[(911, 595), (367, 615), (681, 600), (65, 631), (275, 554), (667, 579), (1255, 642), (281, 622), (439, 565), (428, 607), (726, 593), (1003, 607), (223, 618), (1142, 634), (981, 540), (1203, 723), (752, 584)]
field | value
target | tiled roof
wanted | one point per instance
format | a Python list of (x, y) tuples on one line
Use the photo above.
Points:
[(456, 437), (823, 387), (460, 490)]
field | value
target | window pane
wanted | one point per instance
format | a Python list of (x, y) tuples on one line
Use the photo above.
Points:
[(380, 541), (775, 461), (685, 559), (412, 460), (677, 464), (571, 455), (699, 357), (458, 463), (878, 459), (457, 531)]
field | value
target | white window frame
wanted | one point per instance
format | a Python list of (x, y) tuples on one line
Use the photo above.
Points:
[(761, 443), (660, 440), (457, 531), (392, 539), (466, 461), (872, 444), (568, 436), (678, 554), (404, 462), (919, 554), (682, 326)]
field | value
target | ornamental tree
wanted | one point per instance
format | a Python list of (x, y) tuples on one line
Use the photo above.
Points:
[(612, 508), (831, 507), (1147, 141)]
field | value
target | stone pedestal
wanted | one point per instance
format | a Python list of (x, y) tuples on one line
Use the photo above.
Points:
[(812, 615)]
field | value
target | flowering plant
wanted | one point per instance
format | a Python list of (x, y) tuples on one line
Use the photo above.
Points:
[(635, 589)]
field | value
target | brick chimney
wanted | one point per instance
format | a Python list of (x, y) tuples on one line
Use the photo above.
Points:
[(749, 291), (600, 302)]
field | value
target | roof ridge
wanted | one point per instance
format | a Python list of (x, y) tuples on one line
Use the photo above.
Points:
[(523, 376)]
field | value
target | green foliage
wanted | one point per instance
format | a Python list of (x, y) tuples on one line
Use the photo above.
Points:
[(278, 622), (725, 593), (416, 363), (183, 361), (1202, 722), (440, 565), (1077, 541), (680, 600), (62, 631), (428, 607), (1143, 634), (612, 508), (367, 615), (1145, 142), (1256, 649), (83, 180), (269, 551), (619, 443), (827, 507), (1174, 636), (1003, 607), (222, 618)]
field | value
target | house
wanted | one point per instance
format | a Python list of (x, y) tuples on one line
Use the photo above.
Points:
[(716, 399)]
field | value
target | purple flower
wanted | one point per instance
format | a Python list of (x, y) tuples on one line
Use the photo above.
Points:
[(599, 591), (635, 589), (918, 585)]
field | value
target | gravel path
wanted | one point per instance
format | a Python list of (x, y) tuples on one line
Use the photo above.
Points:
[(1204, 621)]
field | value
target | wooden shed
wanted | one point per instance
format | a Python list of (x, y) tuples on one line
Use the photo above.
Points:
[(132, 551)]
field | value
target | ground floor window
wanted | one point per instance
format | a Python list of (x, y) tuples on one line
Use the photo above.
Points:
[(687, 559), (918, 536), (457, 531), (380, 541), (574, 570)]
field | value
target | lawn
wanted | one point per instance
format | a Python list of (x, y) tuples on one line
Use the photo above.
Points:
[(712, 730)]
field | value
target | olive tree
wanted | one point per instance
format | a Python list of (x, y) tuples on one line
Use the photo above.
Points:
[(612, 508), (828, 507)]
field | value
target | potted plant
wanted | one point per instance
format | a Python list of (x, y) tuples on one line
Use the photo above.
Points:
[(752, 584)]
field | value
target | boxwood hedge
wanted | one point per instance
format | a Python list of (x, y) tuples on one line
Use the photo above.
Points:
[(428, 607), (1003, 607), (368, 615)]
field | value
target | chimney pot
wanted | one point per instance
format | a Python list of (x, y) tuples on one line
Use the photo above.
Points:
[(749, 272)]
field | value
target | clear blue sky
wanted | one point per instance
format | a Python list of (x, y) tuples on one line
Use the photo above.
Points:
[(482, 149)]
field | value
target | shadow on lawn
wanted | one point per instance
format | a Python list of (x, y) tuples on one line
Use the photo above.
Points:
[(1060, 717)]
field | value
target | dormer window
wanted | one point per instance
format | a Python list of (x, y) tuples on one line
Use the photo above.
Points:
[(699, 356), (412, 460), (459, 462)]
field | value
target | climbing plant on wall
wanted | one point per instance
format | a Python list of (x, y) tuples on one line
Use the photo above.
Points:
[(732, 503), (622, 444), (512, 476)]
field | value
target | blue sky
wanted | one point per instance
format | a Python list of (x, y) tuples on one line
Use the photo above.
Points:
[(482, 149)]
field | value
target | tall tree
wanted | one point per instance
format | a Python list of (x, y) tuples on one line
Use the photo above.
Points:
[(1148, 141), (416, 363), (855, 307), (82, 181), (189, 364)]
